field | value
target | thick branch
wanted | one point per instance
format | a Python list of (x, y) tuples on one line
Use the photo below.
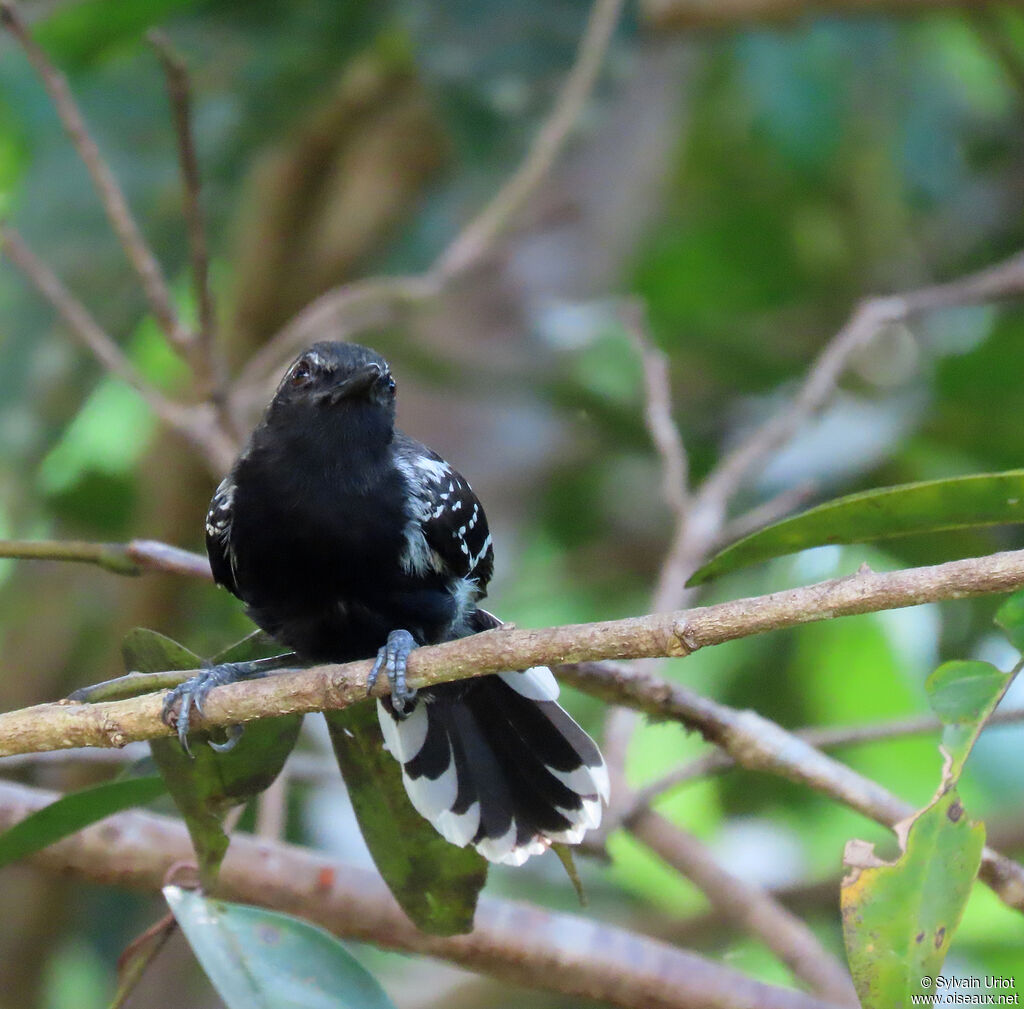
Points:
[(519, 943), (114, 203), (377, 300)]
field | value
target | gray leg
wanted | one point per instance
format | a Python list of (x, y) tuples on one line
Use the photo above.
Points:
[(393, 658), (191, 695)]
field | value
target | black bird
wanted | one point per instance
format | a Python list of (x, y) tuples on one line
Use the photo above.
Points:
[(347, 539)]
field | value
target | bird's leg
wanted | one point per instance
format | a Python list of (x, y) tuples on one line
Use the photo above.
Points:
[(392, 658), (192, 693)]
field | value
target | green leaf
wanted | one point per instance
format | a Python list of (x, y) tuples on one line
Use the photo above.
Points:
[(436, 883), (899, 918), (963, 694), (56, 821), (931, 506), (1010, 617), (206, 785), (259, 959)]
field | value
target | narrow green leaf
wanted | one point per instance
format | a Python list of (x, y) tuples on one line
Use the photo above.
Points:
[(899, 918), (436, 883), (146, 651), (71, 813), (1010, 617), (931, 506), (963, 694), (258, 959), (206, 785)]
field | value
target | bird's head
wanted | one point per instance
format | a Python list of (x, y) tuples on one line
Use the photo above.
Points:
[(338, 380), (335, 393)]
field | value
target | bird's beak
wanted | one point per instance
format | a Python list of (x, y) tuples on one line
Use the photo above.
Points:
[(355, 383)]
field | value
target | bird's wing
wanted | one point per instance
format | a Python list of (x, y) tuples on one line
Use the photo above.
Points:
[(218, 535), (447, 531)]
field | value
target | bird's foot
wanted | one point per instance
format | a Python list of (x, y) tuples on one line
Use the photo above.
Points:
[(392, 658), (190, 696)]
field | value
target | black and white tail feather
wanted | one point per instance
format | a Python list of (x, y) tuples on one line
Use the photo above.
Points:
[(497, 763)]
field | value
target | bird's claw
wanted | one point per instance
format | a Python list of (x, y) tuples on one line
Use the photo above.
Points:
[(392, 658), (191, 696)]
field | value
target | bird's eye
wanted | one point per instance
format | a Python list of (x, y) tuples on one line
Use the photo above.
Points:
[(301, 373), (389, 384)]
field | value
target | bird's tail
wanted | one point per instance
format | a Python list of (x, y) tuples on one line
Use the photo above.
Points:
[(496, 762)]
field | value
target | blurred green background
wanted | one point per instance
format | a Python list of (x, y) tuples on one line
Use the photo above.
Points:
[(751, 184)]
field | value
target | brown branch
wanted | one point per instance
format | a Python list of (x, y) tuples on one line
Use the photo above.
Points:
[(121, 558), (689, 14), (376, 301), (63, 725), (821, 738), (79, 320), (752, 741), (567, 954), (750, 908), (212, 375), (197, 423), (1003, 280), (114, 203)]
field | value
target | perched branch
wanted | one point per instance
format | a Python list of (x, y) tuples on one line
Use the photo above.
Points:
[(376, 301), (752, 741), (114, 203), (520, 943), (178, 92), (684, 14), (749, 908), (62, 725)]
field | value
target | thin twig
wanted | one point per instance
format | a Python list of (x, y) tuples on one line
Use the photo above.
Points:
[(130, 558), (375, 301), (114, 203), (686, 15), (212, 375), (1003, 280), (749, 907), (658, 411), (528, 945), (197, 422)]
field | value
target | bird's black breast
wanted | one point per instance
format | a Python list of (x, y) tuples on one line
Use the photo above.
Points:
[(316, 556)]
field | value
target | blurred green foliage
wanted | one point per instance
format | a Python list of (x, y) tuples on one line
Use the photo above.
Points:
[(809, 166)]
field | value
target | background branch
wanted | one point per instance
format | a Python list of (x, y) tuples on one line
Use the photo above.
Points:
[(376, 301), (516, 942), (683, 14), (211, 370), (114, 203)]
